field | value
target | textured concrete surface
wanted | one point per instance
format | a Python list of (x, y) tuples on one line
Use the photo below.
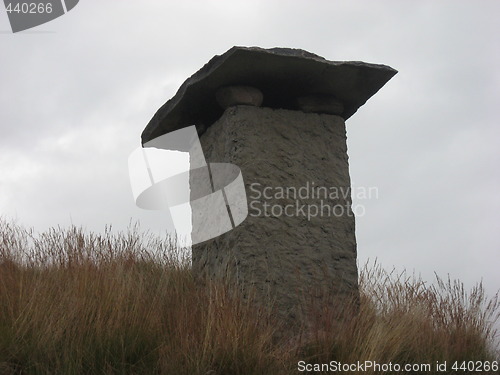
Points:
[(296, 256)]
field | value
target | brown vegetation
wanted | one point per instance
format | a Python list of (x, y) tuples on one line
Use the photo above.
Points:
[(80, 303)]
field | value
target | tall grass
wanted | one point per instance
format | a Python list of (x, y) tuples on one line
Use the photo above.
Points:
[(73, 302)]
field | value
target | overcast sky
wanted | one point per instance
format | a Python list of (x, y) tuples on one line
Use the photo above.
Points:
[(76, 93)]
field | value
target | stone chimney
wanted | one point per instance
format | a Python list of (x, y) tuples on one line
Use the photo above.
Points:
[(279, 115)]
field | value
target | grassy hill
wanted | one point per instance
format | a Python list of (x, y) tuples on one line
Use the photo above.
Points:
[(73, 302)]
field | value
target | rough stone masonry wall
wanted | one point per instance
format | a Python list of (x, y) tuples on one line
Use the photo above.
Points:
[(287, 259)]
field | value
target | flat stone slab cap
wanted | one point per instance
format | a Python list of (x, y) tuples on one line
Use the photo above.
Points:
[(282, 75)]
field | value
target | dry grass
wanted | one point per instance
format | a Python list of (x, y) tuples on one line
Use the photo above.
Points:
[(79, 303)]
